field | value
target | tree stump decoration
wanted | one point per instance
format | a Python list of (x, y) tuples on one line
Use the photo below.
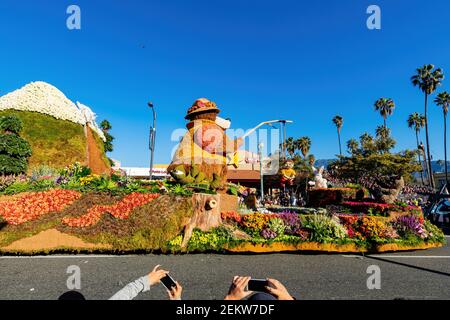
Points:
[(387, 189), (206, 215)]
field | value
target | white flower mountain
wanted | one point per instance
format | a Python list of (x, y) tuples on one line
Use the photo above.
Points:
[(44, 98)]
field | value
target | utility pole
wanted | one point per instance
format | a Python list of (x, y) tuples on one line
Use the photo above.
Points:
[(152, 137), (261, 174)]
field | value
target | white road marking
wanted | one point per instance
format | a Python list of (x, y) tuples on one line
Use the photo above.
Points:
[(394, 257), (410, 257), (67, 257)]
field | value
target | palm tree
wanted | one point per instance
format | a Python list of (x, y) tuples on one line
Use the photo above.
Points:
[(417, 122), (311, 159), (367, 143), (382, 132), (428, 79), (338, 122), (290, 146), (352, 146), (443, 100), (303, 144), (386, 107)]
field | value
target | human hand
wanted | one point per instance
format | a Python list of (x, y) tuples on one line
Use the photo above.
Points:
[(156, 275), (238, 288), (277, 289), (175, 292)]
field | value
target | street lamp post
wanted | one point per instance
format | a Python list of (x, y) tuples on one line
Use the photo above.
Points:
[(261, 174), (152, 137)]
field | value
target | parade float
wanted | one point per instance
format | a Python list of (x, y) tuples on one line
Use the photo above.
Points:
[(71, 208)]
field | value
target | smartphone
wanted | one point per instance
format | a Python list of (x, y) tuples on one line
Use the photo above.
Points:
[(168, 282), (258, 285)]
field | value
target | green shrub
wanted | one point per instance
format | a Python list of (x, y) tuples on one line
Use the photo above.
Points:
[(434, 233), (205, 241), (43, 184), (43, 171), (9, 165), (277, 225), (324, 228), (75, 171), (180, 190), (14, 151), (18, 187), (14, 146), (10, 124)]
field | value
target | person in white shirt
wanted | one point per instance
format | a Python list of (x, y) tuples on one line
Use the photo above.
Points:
[(143, 284)]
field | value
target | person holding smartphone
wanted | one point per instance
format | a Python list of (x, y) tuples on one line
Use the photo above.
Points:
[(143, 284), (264, 289)]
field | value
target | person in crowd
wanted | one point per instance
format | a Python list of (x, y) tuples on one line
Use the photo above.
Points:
[(143, 284), (72, 296), (275, 290)]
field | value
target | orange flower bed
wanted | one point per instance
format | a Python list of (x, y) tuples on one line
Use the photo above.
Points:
[(33, 205), (120, 210)]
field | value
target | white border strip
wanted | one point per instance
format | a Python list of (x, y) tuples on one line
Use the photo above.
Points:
[(410, 257), (68, 257)]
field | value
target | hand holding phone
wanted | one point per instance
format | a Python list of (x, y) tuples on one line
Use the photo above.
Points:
[(168, 282), (156, 275), (258, 285)]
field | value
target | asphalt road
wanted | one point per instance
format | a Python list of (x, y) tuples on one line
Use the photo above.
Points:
[(407, 275)]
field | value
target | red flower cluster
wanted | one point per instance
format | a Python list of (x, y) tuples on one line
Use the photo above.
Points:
[(120, 210), (368, 204), (231, 216), (34, 205)]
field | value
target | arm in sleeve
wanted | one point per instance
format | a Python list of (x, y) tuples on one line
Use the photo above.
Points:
[(132, 290)]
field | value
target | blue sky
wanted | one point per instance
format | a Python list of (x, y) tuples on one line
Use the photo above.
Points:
[(258, 60)]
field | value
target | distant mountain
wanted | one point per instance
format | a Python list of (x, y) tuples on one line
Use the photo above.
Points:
[(322, 162), (437, 166)]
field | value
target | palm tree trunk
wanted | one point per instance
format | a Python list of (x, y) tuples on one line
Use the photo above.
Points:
[(420, 161), (430, 170), (385, 125), (339, 138), (426, 167), (445, 146)]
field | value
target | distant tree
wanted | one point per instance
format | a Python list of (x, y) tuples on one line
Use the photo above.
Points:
[(304, 145), (352, 146), (427, 78), (443, 100), (106, 126), (385, 107), (367, 143), (416, 121), (311, 159), (290, 146), (376, 167), (384, 142), (14, 150), (338, 122)]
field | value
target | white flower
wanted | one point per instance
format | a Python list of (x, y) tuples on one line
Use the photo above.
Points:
[(44, 98)]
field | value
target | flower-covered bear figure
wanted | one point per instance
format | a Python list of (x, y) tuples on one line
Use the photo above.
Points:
[(205, 151)]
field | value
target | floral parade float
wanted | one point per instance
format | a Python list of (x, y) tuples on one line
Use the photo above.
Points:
[(73, 209)]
